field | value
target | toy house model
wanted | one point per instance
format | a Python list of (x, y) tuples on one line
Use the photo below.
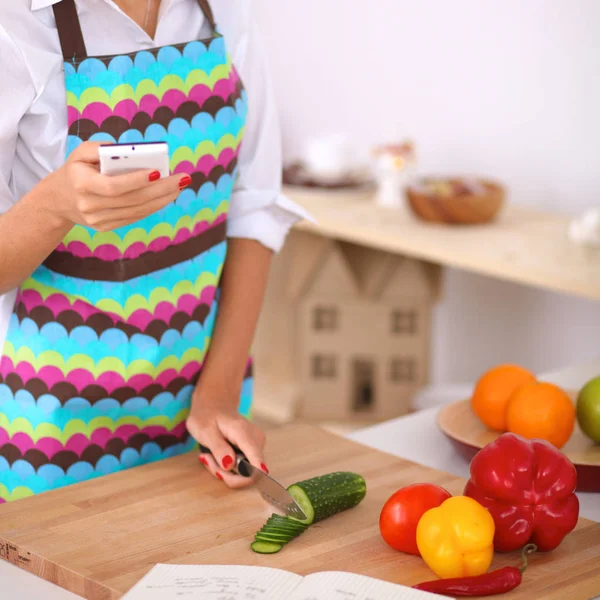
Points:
[(361, 340)]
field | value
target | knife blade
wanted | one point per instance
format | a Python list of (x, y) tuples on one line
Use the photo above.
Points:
[(271, 490)]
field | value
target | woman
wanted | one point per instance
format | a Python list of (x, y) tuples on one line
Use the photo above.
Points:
[(130, 302)]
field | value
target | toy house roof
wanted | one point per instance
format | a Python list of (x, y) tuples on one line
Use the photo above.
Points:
[(327, 267)]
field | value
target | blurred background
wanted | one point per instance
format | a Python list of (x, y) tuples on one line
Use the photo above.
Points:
[(508, 89)]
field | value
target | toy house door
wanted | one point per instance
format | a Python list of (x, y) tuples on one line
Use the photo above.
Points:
[(363, 385)]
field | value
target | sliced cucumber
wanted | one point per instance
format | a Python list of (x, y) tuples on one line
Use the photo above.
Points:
[(319, 497), (286, 522), (290, 533), (266, 547), (263, 537), (284, 527), (323, 496), (272, 531), (278, 535), (278, 531)]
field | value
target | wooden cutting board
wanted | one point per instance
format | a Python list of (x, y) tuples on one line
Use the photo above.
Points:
[(97, 539)]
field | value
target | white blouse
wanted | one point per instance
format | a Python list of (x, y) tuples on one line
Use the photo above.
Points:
[(33, 117)]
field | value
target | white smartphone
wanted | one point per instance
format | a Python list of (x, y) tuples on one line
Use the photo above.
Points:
[(116, 159)]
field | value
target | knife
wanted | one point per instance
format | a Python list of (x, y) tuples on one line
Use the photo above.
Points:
[(271, 491)]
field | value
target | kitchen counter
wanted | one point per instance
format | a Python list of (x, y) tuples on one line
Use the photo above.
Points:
[(414, 437), (523, 245)]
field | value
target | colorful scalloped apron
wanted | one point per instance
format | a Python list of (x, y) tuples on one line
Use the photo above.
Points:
[(108, 336)]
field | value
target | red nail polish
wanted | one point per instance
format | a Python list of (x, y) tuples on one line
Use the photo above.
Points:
[(219, 476), (203, 461), (154, 176), (264, 467), (184, 181), (227, 462)]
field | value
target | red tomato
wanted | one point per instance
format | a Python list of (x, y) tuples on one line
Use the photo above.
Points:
[(401, 513)]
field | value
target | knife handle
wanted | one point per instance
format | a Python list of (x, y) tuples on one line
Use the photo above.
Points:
[(241, 461)]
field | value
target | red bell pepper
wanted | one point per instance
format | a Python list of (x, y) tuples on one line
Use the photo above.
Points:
[(529, 488)]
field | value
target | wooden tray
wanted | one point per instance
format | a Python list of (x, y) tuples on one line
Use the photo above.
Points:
[(98, 538), (468, 434)]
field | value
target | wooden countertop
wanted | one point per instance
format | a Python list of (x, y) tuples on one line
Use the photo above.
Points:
[(97, 539), (524, 245)]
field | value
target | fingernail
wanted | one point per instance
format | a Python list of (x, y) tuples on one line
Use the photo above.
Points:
[(154, 176), (184, 181), (227, 462), (264, 467), (219, 476), (203, 461)]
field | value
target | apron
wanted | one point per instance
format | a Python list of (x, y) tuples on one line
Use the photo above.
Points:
[(108, 336)]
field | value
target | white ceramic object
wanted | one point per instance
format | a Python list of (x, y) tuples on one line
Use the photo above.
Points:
[(329, 158), (585, 229), (394, 171)]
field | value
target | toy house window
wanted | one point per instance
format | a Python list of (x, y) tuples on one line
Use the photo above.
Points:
[(323, 367), (364, 385), (404, 322), (325, 318), (403, 370)]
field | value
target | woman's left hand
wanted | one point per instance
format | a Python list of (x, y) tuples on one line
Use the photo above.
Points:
[(215, 424)]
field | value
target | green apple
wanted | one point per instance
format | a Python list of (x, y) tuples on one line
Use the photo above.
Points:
[(588, 409)]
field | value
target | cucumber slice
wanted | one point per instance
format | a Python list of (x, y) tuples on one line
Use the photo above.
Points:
[(283, 537), (278, 536), (267, 537), (280, 531), (324, 496), (285, 521), (265, 547), (284, 527)]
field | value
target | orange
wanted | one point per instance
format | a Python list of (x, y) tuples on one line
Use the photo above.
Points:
[(493, 391), (541, 410)]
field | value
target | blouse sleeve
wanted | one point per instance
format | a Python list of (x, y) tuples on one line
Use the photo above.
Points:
[(16, 95), (258, 209)]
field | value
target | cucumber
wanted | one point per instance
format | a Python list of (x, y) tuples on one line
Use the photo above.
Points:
[(324, 496), (319, 497), (265, 547)]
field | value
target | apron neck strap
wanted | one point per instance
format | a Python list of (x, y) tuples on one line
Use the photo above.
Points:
[(208, 14), (69, 28)]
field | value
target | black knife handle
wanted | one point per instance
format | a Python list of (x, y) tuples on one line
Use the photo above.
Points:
[(240, 457)]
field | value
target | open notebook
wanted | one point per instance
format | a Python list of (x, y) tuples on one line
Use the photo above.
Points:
[(222, 582)]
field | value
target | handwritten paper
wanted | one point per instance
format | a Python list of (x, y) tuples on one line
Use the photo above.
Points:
[(348, 586), (223, 582), (218, 582)]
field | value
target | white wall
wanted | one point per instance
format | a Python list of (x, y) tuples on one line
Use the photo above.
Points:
[(505, 88)]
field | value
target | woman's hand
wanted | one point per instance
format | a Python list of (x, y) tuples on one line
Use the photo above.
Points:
[(214, 424), (82, 195)]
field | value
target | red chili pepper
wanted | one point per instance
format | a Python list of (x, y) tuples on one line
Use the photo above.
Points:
[(497, 582)]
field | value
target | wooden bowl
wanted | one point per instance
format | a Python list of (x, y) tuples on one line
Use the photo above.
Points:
[(463, 209), (468, 435)]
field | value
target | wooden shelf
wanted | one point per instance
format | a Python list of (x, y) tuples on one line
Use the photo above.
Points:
[(523, 245)]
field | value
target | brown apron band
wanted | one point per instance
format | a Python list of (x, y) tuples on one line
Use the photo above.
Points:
[(208, 14), (69, 28)]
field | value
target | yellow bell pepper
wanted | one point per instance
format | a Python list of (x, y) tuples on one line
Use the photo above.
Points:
[(456, 538)]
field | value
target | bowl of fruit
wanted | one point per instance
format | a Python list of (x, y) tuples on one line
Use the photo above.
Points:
[(455, 200)]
